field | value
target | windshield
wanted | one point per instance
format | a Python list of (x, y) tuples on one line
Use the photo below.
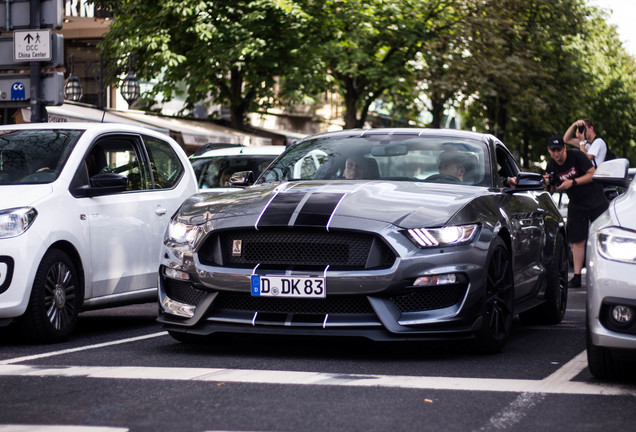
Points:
[(384, 157), (30, 156), (216, 171)]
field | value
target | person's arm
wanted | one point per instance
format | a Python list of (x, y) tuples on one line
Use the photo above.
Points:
[(578, 181), (573, 137), (594, 150)]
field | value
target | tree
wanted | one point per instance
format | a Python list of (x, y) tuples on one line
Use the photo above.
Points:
[(230, 51), (368, 46)]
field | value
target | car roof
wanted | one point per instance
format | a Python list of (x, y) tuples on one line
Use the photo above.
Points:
[(451, 133), (237, 151)]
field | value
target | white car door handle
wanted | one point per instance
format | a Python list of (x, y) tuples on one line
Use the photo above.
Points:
[(160, 211)]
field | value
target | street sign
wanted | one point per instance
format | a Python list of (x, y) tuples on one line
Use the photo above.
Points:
[(51, 14), (15, 89), (7, 52), (32, 45)]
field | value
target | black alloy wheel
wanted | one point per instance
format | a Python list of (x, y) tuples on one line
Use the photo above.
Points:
[(498, 309), (53, 306)]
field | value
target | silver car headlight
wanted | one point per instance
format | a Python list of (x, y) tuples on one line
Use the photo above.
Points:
[(15, 221), (183, 234), (444, 236), (617, 244)]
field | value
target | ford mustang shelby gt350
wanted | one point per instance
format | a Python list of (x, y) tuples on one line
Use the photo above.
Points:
[(388, 234)]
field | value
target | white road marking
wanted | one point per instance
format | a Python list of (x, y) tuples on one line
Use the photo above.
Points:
[(84, 348), (557, 383), (59, 428), (514, 412), (560, 382)]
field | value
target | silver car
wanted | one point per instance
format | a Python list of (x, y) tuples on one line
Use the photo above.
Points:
[(611, 290)]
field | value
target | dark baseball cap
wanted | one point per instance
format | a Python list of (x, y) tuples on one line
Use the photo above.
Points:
[(556, 143)]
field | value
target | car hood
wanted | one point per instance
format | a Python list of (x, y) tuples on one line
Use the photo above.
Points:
[(404, 204), (23, 195)]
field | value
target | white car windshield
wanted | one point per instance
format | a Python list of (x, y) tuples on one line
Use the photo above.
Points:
[(382, 157), (30, 156)]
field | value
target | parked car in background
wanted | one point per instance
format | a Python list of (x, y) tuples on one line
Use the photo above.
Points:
[(611, 289), (392, 250), (83, 212), (214, 168)]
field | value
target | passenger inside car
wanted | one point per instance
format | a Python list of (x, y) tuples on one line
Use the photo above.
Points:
[(452, 167), (358, 167)]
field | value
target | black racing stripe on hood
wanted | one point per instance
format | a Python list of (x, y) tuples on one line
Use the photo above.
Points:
[(281, 209), (318, 209)]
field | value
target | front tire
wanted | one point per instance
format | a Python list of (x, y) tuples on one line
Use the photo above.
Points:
[(54, 304), (498, 309)]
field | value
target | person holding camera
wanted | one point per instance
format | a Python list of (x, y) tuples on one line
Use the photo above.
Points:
[(581, 134), (571, 171)]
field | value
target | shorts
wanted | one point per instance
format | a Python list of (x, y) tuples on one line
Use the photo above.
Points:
[(579, 221)]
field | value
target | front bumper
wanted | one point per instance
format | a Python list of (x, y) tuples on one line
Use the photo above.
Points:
[(609, 283), (379, 304)]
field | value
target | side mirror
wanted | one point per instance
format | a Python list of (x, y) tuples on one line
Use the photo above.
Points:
[(613, 172), (102, 184), (242, 179), (527, 181)]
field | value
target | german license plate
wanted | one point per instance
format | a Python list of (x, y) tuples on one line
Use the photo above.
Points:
[(287, 286)]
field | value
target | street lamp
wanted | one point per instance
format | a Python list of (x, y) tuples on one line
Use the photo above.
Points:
[(73, 89), (130, 89)]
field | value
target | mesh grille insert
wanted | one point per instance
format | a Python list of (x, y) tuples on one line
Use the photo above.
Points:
[(329, 305), (430, 298), (283, 248)]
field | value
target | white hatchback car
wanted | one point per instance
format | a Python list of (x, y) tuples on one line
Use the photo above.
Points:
[(83, 213), (611, 290)]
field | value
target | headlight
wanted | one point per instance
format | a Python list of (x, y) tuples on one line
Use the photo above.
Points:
[(444, 236), (617, 244), (14, 222), (182, 233)]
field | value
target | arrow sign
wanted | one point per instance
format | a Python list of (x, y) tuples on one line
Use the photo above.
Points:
[(32, 45)]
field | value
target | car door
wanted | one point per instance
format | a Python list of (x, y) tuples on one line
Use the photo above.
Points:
[(526, 218), (127, 227), (120, 223)]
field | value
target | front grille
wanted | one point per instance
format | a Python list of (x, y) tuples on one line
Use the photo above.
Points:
[(431, 298), (329, 305), (303, 249), (183, 292)]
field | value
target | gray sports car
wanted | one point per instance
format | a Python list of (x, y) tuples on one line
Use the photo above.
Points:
[(388, 234)]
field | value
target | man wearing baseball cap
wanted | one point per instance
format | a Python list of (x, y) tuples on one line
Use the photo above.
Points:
[(571, 171)]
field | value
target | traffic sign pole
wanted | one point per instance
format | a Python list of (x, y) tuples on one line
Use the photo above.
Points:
[(37, 108)]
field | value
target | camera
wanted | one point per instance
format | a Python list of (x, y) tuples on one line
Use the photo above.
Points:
[(581, 128), (552, 179)]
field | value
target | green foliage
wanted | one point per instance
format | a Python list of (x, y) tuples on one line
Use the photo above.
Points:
[(228, 50), (522, 70)]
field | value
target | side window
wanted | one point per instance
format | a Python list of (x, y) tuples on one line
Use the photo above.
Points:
[(164, 163), (506, 165), (122, 158), (115, 154)]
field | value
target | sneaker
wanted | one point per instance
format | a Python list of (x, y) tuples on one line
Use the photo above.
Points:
[(575, 282)]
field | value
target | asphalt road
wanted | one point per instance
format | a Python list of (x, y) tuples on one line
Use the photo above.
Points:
[(122, 372)]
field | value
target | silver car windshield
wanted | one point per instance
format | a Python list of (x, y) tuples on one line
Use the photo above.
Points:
[(32, 156), (382, 157)]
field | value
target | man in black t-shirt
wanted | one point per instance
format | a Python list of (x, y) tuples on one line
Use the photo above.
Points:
[(571, 171)]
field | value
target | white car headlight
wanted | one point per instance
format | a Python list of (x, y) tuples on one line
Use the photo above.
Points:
[(14, 222), (444, 236), (182, 233), (617, 244)]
